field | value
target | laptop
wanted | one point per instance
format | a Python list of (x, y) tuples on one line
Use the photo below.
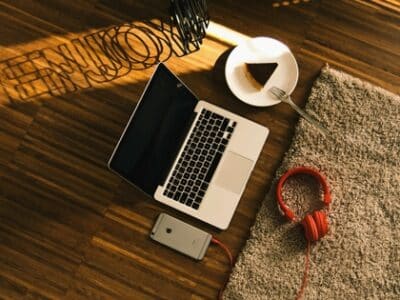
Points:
[(188, 154)]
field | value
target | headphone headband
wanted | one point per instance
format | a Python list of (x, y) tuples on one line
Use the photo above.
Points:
[(300, 170)]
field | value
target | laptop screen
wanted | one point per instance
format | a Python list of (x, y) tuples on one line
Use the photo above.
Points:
[(155, 133)]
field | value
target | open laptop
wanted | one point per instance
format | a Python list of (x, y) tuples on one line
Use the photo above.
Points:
[(188, 154)]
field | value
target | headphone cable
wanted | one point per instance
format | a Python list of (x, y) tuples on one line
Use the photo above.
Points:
[(306, 269)]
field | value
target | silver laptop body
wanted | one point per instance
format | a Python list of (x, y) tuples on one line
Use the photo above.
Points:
[(210, 165)]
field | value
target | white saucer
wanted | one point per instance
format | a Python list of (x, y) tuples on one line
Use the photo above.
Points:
[(261, 50)]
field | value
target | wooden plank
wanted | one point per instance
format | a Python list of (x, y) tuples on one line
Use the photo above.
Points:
[(71, 229)]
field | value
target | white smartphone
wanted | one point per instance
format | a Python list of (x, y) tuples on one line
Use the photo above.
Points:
[(180, 236)]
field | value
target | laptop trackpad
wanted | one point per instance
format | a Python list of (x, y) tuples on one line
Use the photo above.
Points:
[(233, 172)]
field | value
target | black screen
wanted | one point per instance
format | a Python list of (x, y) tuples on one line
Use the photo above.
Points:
[(156, 131)]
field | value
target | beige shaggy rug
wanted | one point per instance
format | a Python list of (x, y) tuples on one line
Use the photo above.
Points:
[(360, 256)]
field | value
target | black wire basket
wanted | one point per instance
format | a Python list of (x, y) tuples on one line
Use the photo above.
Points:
[(191, 19)]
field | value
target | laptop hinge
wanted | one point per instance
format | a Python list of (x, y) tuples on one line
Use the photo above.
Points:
[(180, 142)]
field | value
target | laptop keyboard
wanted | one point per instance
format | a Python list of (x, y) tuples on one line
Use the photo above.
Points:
[(199, 159)]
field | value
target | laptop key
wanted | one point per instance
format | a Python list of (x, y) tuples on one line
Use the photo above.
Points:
[(183, 198), (224, 124), (217, 116), (195, 206), (213, 166), (177, 196)]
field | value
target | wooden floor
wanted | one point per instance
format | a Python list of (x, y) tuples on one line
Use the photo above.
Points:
[(71, 229)]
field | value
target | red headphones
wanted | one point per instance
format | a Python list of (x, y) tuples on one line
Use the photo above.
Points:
[(315, 224)]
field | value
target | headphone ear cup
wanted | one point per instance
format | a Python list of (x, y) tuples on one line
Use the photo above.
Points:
[(310, 228), (321, 222), (315, 225)]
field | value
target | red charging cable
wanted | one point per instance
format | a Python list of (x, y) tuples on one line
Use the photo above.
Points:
[(229, 254)]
